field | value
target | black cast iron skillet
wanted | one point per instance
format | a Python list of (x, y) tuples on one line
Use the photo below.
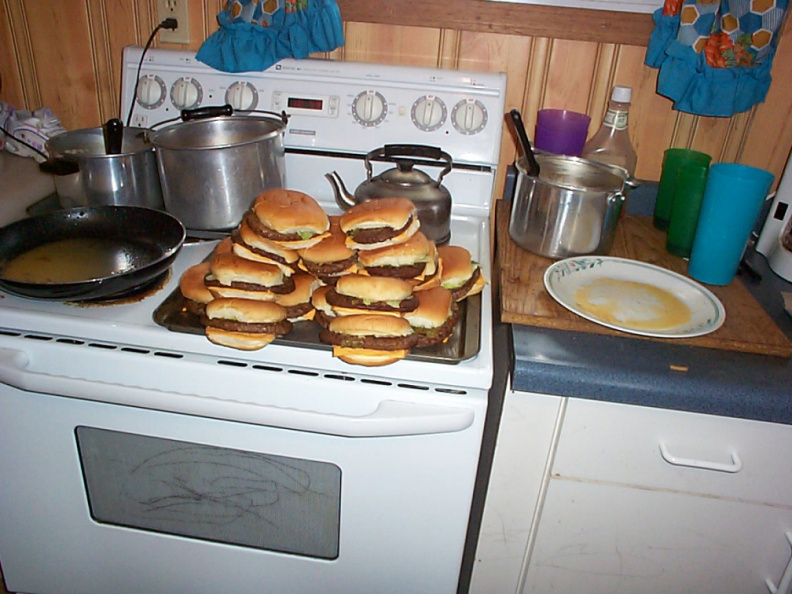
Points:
[(147, 242)]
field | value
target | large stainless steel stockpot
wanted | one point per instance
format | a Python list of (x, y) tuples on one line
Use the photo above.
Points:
[(213, 167), (86, 175), (570, 209)]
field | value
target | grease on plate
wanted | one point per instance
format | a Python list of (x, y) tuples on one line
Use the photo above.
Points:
[(638, 305)]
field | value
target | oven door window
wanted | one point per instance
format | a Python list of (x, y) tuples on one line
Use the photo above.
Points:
[(290, 505)]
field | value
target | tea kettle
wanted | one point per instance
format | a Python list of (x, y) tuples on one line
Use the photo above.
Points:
[(432, 200)]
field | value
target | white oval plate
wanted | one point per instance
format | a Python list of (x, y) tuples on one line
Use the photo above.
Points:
[(563, 278)]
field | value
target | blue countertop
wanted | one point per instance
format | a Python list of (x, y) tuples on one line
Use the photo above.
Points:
[(662, 374)]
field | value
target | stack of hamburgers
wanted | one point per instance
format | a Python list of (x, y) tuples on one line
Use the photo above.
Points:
[(374, 283)]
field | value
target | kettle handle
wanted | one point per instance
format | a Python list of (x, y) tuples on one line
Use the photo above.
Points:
[(389, 151)]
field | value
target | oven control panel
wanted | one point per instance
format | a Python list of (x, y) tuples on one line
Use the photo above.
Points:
[(350, 107)]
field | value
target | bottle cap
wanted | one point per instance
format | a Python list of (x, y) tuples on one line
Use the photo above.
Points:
[(621, 94)]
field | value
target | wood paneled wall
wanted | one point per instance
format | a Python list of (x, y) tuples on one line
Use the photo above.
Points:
[(67, 55)]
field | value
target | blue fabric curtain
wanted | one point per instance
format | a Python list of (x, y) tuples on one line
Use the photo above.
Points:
[(715, 56), (255, 34)]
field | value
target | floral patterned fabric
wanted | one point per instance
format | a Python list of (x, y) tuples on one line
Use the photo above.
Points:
[(715, 56), (255, 34)]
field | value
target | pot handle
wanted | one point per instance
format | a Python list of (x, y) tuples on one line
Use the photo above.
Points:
[(612, 214), (389, 151), (202, 113)]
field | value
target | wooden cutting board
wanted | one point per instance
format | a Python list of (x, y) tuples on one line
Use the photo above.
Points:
[(524, 300)]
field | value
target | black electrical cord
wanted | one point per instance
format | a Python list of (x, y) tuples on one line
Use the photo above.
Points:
[(166, 24)]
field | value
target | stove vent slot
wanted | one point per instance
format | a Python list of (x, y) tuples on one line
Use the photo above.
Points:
[(76, 342)]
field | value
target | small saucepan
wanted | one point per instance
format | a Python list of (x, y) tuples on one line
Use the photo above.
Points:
[(87, 253)]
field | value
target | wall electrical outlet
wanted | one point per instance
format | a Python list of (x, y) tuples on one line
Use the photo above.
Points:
[(177, 9)]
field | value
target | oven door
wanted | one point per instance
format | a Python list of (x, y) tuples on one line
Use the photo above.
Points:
[(341, 485)]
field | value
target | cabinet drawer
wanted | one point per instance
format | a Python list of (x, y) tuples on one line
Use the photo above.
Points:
[(680, 451)]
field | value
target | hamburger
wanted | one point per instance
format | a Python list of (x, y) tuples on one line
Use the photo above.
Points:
[(460, 274), (379, 223), (323, 311), (369, 339), (225, 245), (245, 324), (298, 303), (251, 246), (292, 219), (434, 319), (402, 260), (358, 294), (331, 257), (193, 289), (232, 276)]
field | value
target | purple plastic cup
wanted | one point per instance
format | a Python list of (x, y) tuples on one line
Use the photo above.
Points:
[(561, 131)]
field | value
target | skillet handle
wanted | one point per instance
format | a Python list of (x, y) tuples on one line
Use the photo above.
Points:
[(202, 113)]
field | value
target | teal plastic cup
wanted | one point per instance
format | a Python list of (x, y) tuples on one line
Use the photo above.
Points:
[(733, 198)]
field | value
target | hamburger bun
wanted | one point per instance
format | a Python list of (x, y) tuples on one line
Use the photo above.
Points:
[(324, 313), (379, 223), (224, 245), (403, 260), (331, 257), (233, 276), (290, 218), (251, 246), (193, 289), (298, 303), (460, 274), (434, 319), (369, 339), (359, 293), (244, 323)]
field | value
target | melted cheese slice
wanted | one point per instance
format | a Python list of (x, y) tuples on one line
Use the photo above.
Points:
[(632, 304)]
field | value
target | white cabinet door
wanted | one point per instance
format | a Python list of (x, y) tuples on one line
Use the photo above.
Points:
[(597, 538), (519, 468)]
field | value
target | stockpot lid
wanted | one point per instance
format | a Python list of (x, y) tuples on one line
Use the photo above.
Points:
[(218, 132), (89, 143), (575, 173)]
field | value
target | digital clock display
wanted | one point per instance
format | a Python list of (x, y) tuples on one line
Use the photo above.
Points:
[(302, 103)]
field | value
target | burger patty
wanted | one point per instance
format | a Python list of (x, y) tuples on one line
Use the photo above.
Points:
[(286, 287), (432, 336), (322, 318), (329, 268), (338, 300), (277, 328), (459, 293), (297, 311), (408, 271), (274, 257), (378, 234), (261, 229), (379, 343)]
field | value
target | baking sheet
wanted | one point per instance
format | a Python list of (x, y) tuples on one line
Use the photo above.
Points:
[(463, 344)]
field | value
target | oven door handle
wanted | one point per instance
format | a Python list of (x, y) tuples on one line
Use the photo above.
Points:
[(391, 417)]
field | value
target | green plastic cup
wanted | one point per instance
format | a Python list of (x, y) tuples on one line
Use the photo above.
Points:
[(689, 192), (673, 159)]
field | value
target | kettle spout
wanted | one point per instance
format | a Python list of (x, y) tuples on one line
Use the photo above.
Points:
[(342, 195)]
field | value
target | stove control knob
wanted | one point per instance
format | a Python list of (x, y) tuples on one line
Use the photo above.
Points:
[(151, 91), (469, 116), (242, 96), (429, 113), (369, 108), (186, 93)]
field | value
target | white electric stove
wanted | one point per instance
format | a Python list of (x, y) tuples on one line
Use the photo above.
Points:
[(186, 466)]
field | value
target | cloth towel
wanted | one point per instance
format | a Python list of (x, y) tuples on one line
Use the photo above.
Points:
[(715, 56), (255, 34)]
